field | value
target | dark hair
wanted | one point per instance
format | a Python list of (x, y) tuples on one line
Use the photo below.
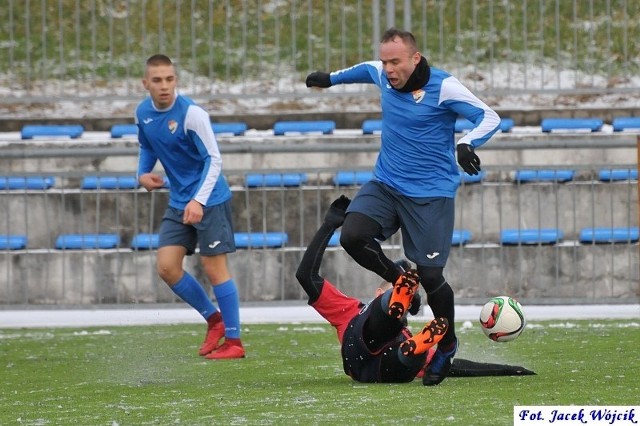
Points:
[(159, 59), (405, 36)]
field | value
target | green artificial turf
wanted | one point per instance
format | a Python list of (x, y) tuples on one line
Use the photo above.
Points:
[(293, 374)]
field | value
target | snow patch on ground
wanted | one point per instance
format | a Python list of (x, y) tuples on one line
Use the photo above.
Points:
[(505, 86)]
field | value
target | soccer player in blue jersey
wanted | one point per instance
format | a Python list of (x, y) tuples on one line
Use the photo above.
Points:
[(416, 175), (176, 131)]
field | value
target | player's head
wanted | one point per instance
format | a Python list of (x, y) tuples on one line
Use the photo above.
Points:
[(399, 55), (160, 80), (384, 286)]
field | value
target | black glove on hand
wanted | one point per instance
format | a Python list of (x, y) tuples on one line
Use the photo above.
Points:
[(337, 211), (468, 159), (318, 79)]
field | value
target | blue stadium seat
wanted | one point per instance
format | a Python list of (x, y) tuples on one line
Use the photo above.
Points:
[(544, 175), (464, 125), (87, 241), (235, 129), (260, 239), (369, 127), (145, 241), (321, 126), (335, 239), (109, 182), (608, 175), (27, 182), (467, 178), (460, 237), (566, 124), (121, 130), (254, 180), (609, 235), (30, 131), (620, 124), (13, 242), (530, 236), (352, 177)]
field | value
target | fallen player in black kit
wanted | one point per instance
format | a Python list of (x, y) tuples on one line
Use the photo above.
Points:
[(376, 345)]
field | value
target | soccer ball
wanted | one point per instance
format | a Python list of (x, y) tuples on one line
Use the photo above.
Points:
[(502, 319)]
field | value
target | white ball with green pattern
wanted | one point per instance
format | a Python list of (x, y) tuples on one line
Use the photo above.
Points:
[(502, 319)]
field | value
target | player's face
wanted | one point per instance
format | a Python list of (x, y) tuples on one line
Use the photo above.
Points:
[(398, 61), (161, 81)]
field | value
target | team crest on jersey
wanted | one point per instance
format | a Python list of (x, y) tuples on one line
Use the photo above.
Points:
[(173, 126), (418, 95)]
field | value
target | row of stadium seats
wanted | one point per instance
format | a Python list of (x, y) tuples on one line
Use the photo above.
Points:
[(327, 127), (245, 240), (140, 241), (341, 178)]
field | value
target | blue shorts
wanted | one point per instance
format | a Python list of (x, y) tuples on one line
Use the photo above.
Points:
[(426, 223), (214, 234)]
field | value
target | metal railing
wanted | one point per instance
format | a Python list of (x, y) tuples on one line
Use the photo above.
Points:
[(568, 269), (252, 49)]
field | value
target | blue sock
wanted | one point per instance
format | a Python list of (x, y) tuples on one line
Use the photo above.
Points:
[(190, 290), (229, 304)]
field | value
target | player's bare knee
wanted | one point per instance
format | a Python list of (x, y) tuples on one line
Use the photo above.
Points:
[(168, 274)]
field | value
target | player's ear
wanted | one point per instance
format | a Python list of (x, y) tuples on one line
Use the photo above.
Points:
[(416, 58)]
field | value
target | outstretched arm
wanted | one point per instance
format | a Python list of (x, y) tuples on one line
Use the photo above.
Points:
[(308, 273)]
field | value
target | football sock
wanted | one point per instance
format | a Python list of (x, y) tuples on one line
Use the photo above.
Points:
[(441, 303), (229, 304), (384, 300), (190, 290), (411, 361), (380, 328)]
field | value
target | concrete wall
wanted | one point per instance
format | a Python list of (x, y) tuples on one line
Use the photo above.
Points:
[(541, 274)]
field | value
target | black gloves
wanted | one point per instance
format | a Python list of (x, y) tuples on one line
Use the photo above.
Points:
[(338, 210), (318, 79), (468, 159)]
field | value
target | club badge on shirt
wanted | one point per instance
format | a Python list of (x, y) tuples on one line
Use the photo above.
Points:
[(418, 95), (173, 126)]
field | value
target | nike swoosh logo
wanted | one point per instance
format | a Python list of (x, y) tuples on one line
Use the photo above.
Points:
[(432, 255), (214, 244), (147, 120)]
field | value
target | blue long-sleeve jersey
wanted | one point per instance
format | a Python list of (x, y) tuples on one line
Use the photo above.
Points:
[(182, 139), (417, 153)]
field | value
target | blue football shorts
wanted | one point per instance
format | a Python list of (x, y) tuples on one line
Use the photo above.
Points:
[(214, 234), (426, 223)]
